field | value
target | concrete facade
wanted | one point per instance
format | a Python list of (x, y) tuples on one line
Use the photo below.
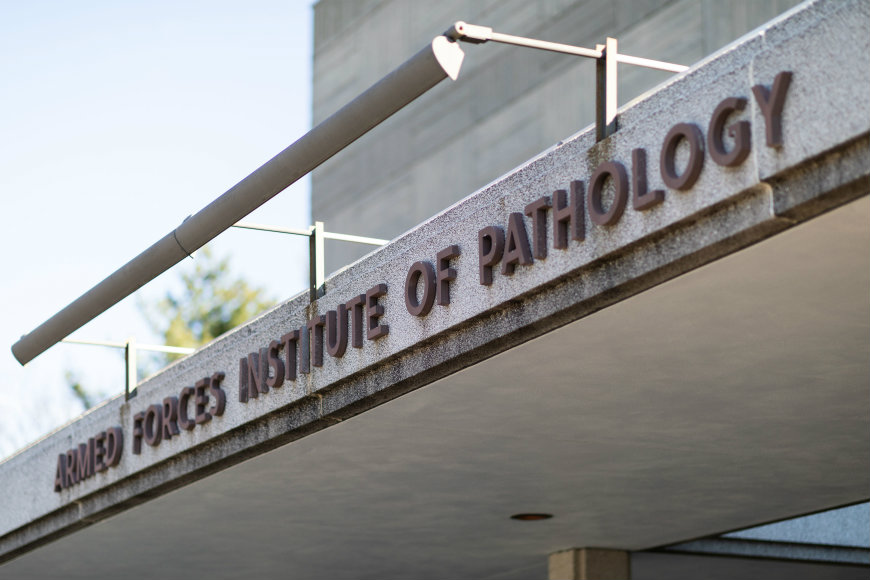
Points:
[(509, 103), (822, 164)]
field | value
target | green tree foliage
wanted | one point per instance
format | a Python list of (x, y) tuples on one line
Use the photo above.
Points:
[(81, 395), (211, 302)]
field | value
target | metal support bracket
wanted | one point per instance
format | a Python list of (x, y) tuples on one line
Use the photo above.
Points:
[(316, 262), (316, 251), (606, 83), (606, 56), (131, 378), (316, 235)]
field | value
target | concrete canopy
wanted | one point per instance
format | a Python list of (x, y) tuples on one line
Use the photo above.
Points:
[(662, 418), (660, 380)]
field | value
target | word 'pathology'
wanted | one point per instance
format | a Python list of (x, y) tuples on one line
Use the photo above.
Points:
[(569, 208), (559, 219)]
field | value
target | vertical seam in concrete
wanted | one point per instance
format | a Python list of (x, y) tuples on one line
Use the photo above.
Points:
[(319, 398), (81, 510), (320, 415)]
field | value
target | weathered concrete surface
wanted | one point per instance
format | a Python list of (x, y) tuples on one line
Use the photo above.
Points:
[(825, 161), (649, 422)]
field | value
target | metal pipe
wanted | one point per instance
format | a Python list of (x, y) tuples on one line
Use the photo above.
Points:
[(355, 239), (442, 58), (476, 34), (274, 229), (544, 45), (131, 376), (316, 262), (149, 347), (649, 63), (307, 233), (606, 103), (95, 343)]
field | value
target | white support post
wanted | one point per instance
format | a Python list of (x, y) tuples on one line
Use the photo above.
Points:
[(606, 55), (130, 361), (316, 252), (606, 90), (316, 262), (131, 348)]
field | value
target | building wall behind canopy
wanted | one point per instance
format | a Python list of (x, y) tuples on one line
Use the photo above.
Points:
[(509, 103)]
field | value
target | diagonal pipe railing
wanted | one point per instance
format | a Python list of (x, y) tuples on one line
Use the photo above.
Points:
[(442, 58)]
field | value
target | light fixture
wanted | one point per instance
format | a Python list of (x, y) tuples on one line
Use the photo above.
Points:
[(442, 58)]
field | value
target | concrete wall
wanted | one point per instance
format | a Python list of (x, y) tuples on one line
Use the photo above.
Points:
[(508, 104)]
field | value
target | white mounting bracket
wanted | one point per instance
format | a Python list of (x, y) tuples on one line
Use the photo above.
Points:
[(606, 55), (130, 348), (316, 252)]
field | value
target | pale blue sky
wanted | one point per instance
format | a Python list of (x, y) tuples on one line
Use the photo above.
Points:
[(117, 120)]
